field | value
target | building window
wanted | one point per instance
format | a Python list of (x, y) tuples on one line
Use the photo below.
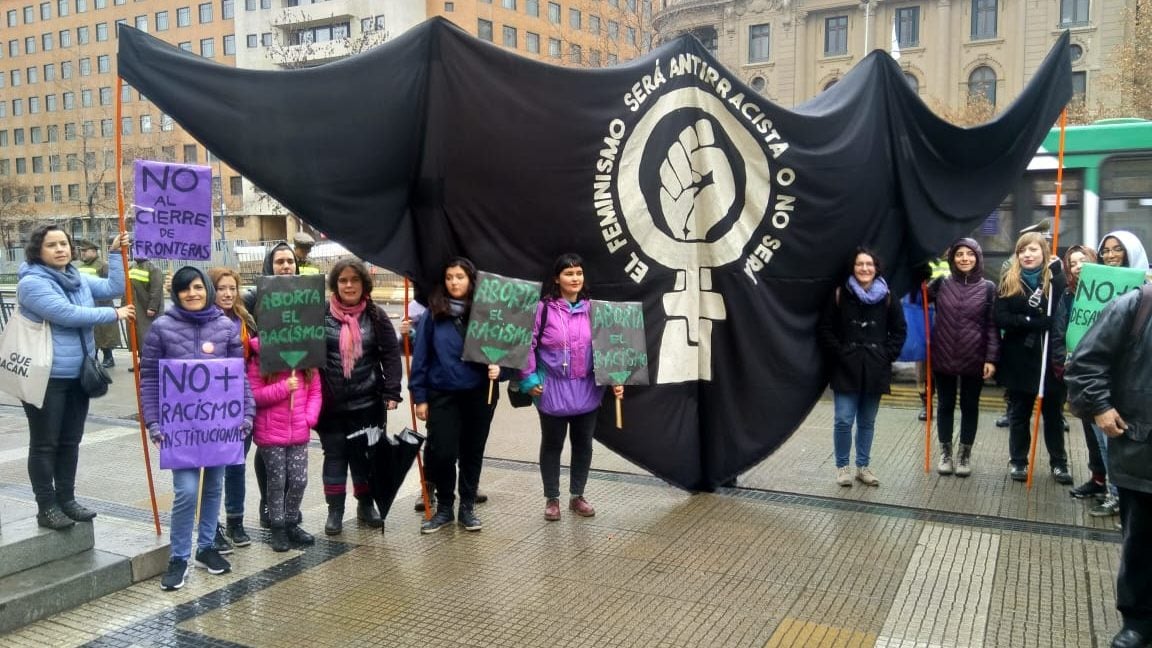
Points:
[(30, 45), (125, 125), (836, 36), (50, 103), (630, 38), (229, 45), (594, 58), (554, 47), (105, 131), (983, 19), (101, 4), (227, 9), (372, 24), (758, 40), (101, 32), (33, 74), (57, 194), (594, 25), (73, 192), (266, 39), (1079, 86), (81, 6), (532, 42), (54, 136), (29, 15), (167, 124), (86, 98), (33, 105), (758, 84), (982, 82), (205, 13), (554, 13), (208, 47), (66, 69), (449, 7), (913, 82), (69, 131), (908, 26), (21, 166), (1076, 51), (65, 38), (47, 42), (613, 29), (106, 96), (484, 29), (85, 66), (190, 156), (235, 185), (575, 54), (183, 16), (45, 11), (532, 8), (509, 37), (252, 40), (103, 64), (574, 18), (38, 193), (38, 164), (320, 34), (186, 46), (508, 4), (69, 100), (1073, 12), (49, 72)]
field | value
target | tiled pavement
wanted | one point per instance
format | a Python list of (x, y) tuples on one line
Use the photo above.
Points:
[(787, 559)]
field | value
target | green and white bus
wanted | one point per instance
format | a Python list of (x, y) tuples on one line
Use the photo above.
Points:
[(1107, 186)]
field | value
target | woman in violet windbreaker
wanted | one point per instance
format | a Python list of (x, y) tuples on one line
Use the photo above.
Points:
[(559, 374), (287, 408), (965, 349)]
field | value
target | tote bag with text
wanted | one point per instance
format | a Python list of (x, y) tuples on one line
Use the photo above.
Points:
[(25, 358)]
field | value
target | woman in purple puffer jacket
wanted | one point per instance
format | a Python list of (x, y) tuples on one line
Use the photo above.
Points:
[(965, 349), (559, 375)]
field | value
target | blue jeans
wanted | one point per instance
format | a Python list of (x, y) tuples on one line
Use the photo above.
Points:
[(185, 484), (1102, 439), (861, 409), (234, 491)]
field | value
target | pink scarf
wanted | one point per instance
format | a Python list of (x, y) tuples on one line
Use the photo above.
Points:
[(351, 347)]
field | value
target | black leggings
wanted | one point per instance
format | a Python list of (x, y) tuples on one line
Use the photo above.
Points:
[(580, 429), (970, 387), (54, 434), (1020, 406), (458, 425), (343, 455)]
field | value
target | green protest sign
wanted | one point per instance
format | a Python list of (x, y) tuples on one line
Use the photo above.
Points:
[(619, 350), (290, 322), (1098, 285), (503, 316)]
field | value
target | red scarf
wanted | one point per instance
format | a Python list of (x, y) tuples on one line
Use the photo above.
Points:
[(351, 346)]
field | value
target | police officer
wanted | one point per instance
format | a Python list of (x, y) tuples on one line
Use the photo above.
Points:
[(107, 335), (302, 245), (147, 294)]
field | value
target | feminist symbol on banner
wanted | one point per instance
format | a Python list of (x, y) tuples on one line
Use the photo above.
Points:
[(173, 211), (503, 316), (290, 322), (202, 412), (619, 350)]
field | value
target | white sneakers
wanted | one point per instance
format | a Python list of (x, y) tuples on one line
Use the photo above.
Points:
[(865, 476), (844, 476)]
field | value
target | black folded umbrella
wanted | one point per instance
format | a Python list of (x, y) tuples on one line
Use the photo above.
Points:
[(392, 459)]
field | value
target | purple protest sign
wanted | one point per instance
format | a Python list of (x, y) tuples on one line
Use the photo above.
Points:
[(201, 412), (173, 211)]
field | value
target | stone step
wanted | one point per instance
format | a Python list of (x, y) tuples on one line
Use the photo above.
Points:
[(24, 544), (36, 593)]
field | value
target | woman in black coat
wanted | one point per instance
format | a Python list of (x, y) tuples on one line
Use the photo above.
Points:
[(1022, 313), (861, 331)]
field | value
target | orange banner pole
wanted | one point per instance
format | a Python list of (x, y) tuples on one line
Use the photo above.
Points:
[(133, 343), (412, 409)]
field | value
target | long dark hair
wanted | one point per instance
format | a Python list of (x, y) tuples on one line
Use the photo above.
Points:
[(36, 241), (438, 300), (562, 263)]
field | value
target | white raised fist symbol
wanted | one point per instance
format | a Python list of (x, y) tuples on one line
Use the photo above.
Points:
[(697, 185)]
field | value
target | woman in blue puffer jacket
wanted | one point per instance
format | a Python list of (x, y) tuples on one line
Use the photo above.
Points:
[(194, 328), (965, 349), (51, 290), (559, 374)]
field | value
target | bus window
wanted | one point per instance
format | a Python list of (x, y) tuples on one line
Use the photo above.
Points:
[(1071, 207), (1126, 195)]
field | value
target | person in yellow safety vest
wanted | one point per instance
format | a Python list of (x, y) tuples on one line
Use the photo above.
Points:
[(303, 243), (107, 335), (147, 294)]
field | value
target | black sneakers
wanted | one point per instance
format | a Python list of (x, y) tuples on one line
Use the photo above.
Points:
[(1090, 488), (1002, 422), (1017, 472), (1061, 475), (442, 519), (54, 518), (299, 537), (468, 519), (211, 560), (220, 543), (236, 533), (174, 577)]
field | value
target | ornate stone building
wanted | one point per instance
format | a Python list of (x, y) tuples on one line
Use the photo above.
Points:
[(790, 50)]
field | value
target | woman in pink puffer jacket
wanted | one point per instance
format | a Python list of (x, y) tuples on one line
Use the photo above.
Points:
[(287, 408)]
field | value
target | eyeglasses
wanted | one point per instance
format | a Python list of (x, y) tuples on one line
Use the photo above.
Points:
[(1112, 250)]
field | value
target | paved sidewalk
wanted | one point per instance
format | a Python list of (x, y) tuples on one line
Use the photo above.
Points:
[(787, 559)]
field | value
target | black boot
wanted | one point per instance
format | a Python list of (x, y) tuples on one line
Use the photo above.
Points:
[(299, 537), (366, 513), (278, 539), (76, 511), (335, 523), (923, 415), (109, 362), (236, 532), (52, 517)]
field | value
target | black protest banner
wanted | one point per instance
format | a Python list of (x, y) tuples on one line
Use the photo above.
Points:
[(503, 315), (290, 320), (619, 349)]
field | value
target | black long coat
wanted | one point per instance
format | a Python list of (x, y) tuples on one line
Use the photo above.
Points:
[(1024, 326), (861, 341)]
